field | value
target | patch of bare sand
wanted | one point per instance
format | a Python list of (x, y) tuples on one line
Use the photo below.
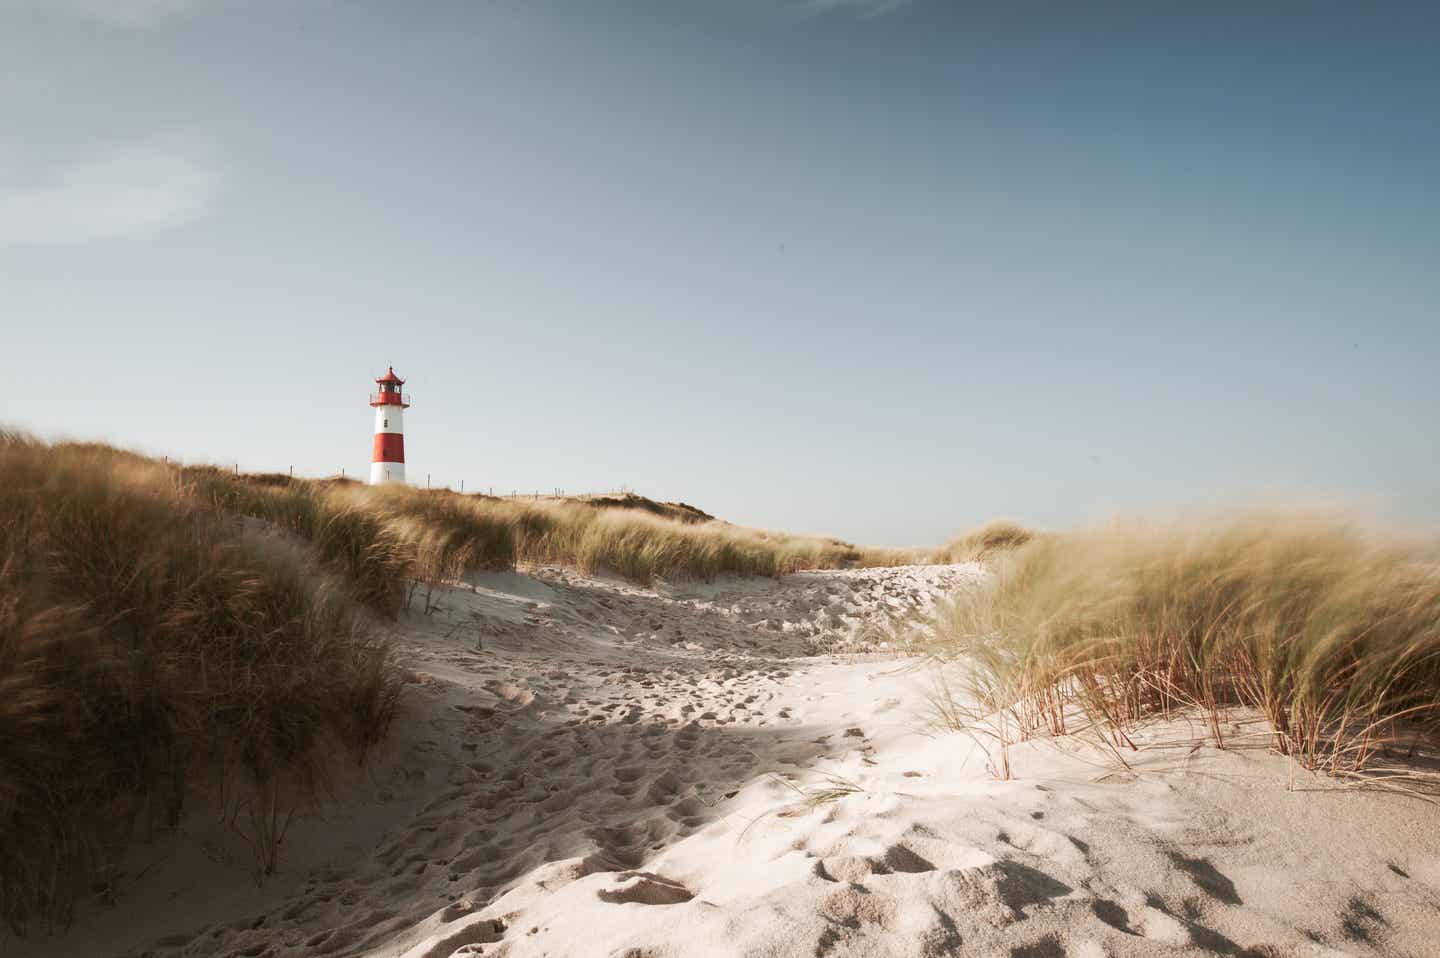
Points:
[(589, 768)]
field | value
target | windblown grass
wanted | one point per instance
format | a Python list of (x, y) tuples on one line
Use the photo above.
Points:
[(148, 643), (145, 648), (666, 510), (986, 542), (1331, 633), (381, 537)]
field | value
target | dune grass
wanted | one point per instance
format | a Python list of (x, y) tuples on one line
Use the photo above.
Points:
[(146, 648), (629, 500), (985, 542), (1328, 631), (150, 642), (382, 537)]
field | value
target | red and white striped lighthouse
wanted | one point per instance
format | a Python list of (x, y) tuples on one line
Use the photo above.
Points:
[(388, 462)]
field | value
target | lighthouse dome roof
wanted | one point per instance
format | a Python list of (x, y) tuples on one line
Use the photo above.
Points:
[(390, 377)]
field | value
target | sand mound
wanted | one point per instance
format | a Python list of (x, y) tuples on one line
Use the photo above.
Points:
[(589, 768)]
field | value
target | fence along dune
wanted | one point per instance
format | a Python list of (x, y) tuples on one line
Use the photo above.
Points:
[(1326, 628)]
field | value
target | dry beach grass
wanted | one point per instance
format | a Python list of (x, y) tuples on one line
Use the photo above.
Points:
[(149, 648), (648, 761), (383, 536), (1328, 631), (145, 648), (988, 541)]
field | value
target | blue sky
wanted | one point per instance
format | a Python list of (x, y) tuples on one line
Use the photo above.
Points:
[(876, 268)]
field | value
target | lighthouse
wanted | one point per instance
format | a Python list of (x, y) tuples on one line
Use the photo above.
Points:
[(387, 464)]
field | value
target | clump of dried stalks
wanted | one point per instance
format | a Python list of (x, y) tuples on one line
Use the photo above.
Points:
[(1328, 631), (380, 538), (144, 644), (145, 649), (986, 542)]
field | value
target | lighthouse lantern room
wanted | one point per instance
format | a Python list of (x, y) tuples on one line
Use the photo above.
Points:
[(387, 464)]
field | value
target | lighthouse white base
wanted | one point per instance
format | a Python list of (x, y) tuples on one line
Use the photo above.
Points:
[(382, 472)]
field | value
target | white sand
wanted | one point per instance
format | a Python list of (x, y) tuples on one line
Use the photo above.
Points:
[(620, 771)]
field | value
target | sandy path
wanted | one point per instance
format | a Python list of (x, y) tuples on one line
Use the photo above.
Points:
[(621, 771)]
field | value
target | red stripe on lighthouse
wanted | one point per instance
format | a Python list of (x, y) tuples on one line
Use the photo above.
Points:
[(389, 447)]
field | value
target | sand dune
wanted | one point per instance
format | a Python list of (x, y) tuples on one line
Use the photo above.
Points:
[(585, 767)]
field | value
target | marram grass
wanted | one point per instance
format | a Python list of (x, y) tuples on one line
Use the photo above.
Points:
[(149, 645), (985, 542), (145, 648), (380, 537), (1328, 630)]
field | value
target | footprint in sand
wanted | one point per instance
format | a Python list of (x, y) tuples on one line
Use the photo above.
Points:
[(645, 888)]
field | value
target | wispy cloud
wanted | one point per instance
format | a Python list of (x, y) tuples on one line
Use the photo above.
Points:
[(127, 190), (130, 14), (864, 9)]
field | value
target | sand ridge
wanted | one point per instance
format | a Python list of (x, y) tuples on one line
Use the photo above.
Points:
[(586, 767)]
